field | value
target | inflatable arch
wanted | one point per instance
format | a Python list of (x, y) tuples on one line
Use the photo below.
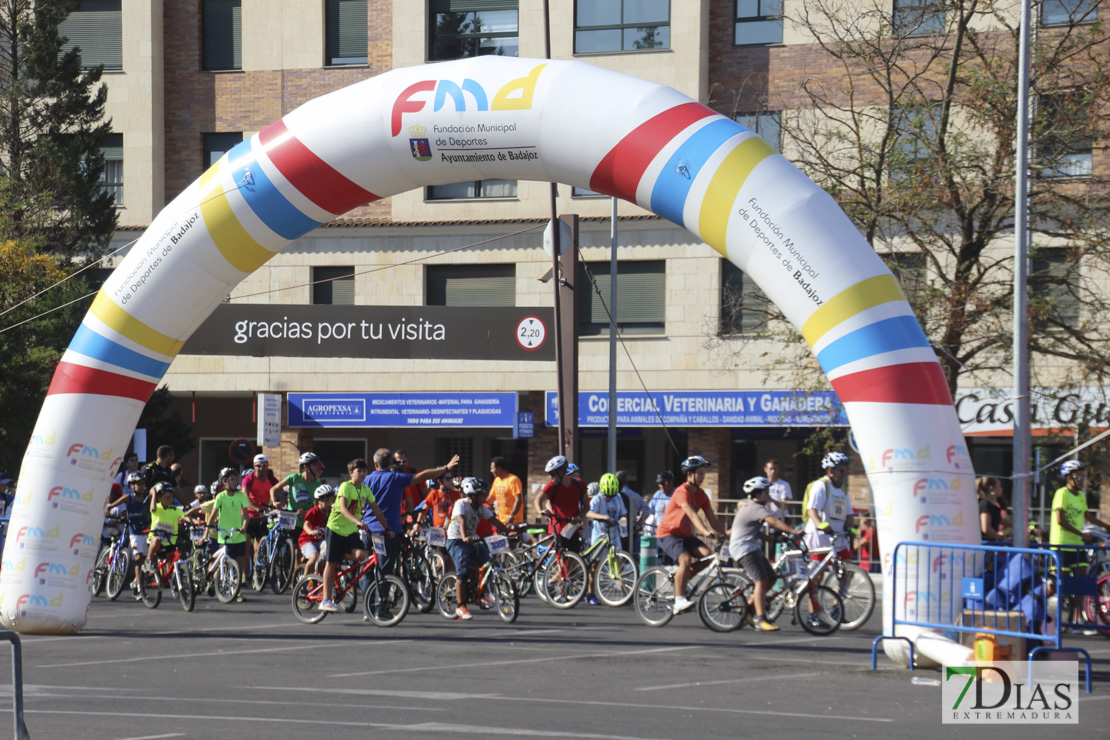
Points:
[(491, 117)]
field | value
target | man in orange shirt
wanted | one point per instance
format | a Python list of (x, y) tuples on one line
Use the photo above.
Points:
[(680, 519), (506, 493), (440, 500)]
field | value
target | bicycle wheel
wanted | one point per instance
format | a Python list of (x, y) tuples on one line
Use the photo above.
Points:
[(348, 585), (100, 571), (654, 597), (422, 584), (856, 591), (723, 606), (281, 566), (504, 597), (537, 585), (564, 580), (447, 599), (307, 595), (614, 578), (440, 565), (117, 574), (1097, 607), (387, 601), (198, 570), (260, 571), (828, 616), (186, 593), (227, 579), (150, 589)]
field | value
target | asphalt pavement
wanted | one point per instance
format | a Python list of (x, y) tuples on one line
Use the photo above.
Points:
[(252, 670)]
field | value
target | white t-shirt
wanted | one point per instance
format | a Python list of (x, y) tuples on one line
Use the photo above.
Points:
[(464, 514), (780, 491), (832, 506)]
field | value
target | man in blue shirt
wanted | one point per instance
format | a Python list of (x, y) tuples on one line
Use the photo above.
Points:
[(388, 484)]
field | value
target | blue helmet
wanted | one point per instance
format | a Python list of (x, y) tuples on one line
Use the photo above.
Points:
[(1070, 467)]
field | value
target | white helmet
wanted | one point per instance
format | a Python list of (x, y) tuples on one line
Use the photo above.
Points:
[(472, 486), (307, 458), (200, 488), (1071, 466), (756, 484), (323, 490), (557, 464), (833, 459)]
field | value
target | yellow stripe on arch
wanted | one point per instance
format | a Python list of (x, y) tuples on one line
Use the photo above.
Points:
[(720, 196), (114, 317), (237, 246), (847, 303)]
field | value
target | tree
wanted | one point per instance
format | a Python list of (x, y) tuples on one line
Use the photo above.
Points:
[(905, 112), (30, 351), (52, 129)]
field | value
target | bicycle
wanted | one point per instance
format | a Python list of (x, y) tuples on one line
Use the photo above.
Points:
[(417, 571), (385, 603), (565, 573), (525, 565), (223, 571), (796, 572), (113, 563), (854, 587), (491, 578), (653, 595), (276, 557), (168, 570), (613, 571)]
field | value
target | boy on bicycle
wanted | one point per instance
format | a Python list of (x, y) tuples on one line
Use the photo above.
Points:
[(227, 513), (138, 521), (743, 546), (463, 543), (676, 530), (607, 510), (311, 540), (344, 524), (164, 519)]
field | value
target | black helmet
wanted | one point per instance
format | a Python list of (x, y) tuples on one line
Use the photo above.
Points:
[(693, 463), (664, 476)]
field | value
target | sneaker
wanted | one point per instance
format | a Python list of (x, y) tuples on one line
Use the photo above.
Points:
[(328, 605), (681, 604), (592, 600), (764, 626), (485, 604), (135, 593), (750, 619), (463, 613), (816, 621), (239, 598), (1088, 632)]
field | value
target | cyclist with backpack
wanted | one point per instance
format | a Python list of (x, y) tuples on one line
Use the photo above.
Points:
[(828, 509)]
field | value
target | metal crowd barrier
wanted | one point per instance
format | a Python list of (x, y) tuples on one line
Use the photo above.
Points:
[(21, 732), (992, 590), (1086, 591)]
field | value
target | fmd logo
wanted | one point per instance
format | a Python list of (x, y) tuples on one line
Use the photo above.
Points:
[(80, 449), (897, 454), (69, 493), (955, 451), (938, 485), (932, 520), (39, 440), (81, 539), (23, 534), (10, 566), (34, 600), (55, 569), (470, 95)]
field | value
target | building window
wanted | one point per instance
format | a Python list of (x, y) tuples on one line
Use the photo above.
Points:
[(758, 22), (217, 145), (1064, 12), (743, 305), (111, 179), (915, 130), (909, 270), (621, 25), (472, 189), (96, 29), (641, 298), (222, 30), (767, 124), (471, 285), (333, 286), (918, 17), (1054, 290), (345, 32), (473, 28), (336, 453), (1065, 146), (577, 192)]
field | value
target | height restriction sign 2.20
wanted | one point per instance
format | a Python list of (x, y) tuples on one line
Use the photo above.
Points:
[(530, 333)]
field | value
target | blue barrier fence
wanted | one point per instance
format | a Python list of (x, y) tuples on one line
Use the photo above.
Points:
[(992, 590), (1084, 599)]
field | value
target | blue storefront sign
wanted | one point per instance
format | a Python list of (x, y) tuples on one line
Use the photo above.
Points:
[(706, 409), (525, 425), (402, 410)]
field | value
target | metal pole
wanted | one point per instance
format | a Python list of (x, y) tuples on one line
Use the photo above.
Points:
[(1022, 443), (613, 341), (20, 726), (556, 278)]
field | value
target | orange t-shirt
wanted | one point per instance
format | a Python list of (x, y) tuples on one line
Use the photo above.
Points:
[(440, 503), (504, 492), (675, 522)]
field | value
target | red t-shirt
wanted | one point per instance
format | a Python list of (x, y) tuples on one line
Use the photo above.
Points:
[(258, 491), (316, 518), (485, 529), (565, 502), (440, 503), (675, 522)]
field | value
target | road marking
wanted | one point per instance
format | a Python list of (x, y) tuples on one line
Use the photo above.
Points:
[(118, 633), (424, 728), (582, 656), (397, 707), (155, 737), (727, 680)]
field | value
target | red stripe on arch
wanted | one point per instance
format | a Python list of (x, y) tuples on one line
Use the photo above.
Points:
[(915, 382), (71, 378), (620, 171), (313, 177)]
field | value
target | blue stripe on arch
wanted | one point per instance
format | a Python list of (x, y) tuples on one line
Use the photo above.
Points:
[(91, 344), (275, 210), (888, 335), (668, 197)]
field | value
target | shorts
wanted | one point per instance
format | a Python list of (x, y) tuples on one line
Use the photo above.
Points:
[(236, 549), (574, 544), (464, 554), (1070, 559), (138, 545), (339, 545), (675, 545), (758, 567), (256, 527), (309, 549), (164, 537), (845, 554)]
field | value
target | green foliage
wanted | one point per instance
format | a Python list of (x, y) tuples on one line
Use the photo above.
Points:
[(52, 129)]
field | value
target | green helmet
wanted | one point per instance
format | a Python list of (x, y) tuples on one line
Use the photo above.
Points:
[(609, 484)]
